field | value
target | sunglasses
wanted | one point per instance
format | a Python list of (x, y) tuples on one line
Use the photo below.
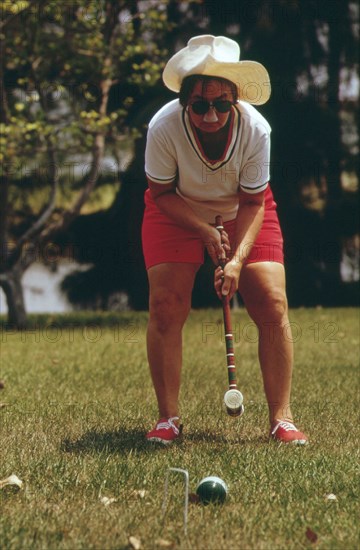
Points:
[(202, 106)]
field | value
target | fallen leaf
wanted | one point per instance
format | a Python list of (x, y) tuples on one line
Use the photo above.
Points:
[(3, 405), (135, 543), (311, 535), (140, 493), (164, 543), (11, 480), (106, 501), (2, 384), (330, 496)]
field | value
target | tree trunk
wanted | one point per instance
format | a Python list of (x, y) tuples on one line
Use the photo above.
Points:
[(11, 284), (338, 28)]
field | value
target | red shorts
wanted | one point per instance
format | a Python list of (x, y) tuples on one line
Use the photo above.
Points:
[(166, 242)]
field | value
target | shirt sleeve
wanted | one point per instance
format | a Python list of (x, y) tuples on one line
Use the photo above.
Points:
[(160, 159), (255, 173)]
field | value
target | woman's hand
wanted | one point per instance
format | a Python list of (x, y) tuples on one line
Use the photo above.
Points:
[(226, 280), (217, 246)]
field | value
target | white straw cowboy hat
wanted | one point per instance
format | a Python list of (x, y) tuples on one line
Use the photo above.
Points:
[(218, 56)]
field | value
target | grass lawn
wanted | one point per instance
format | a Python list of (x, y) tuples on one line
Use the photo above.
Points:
[(78, 400)]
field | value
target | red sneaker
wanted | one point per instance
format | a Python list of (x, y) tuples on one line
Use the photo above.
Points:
[(286, 432), (165, 431)]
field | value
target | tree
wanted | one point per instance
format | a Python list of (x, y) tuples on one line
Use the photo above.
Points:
[(59, 67)]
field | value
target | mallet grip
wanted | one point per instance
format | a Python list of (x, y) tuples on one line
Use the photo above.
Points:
[(220, 227)]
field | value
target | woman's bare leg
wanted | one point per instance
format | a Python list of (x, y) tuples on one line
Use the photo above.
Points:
[(171, 286)]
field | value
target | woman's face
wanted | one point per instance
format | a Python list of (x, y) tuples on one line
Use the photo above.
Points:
[(212, 91)]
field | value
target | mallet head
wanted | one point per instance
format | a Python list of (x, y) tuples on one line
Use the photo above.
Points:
[(233, 400)]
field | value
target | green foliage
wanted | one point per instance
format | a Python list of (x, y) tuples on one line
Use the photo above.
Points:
[(78, 401), (61, 62)]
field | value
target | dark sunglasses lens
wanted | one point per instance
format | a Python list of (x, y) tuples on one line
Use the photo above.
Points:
[(200, 107), (222, 106)]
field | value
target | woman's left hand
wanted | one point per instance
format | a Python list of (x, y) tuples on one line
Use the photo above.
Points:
[(218, 246)]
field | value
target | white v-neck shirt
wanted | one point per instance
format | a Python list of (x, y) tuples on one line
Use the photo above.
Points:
[(173, 153)]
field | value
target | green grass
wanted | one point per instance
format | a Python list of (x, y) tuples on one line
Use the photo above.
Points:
[(79, 401)]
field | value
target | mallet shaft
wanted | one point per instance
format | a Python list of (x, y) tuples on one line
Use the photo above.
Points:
[(229, 339)]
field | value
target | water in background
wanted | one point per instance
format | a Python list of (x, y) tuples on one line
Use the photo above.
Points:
[(41, 286), (42, 292)]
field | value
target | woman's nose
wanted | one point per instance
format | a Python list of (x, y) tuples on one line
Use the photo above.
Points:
[(211, 115)]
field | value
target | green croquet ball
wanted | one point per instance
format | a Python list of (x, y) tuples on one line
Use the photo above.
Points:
[(212, 489)]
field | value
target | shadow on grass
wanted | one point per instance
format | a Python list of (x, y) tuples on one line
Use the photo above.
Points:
[(208, 437), (121, 441)]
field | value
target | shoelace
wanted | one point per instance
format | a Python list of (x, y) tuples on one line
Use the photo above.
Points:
[(168, 424), (288, 427)]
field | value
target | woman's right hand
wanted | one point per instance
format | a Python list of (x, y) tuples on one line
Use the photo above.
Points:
[(226, 279), (216, 245)]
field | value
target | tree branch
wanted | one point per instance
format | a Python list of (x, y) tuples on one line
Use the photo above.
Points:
[(4, 179), (48, 209), (97, 155), (99, 141), (39, 230)]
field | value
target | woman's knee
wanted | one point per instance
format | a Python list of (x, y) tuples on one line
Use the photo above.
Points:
[(169, 309), (270, 308)]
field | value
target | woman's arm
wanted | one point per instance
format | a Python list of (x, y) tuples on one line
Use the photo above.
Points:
[(171, 204), (248, 223)]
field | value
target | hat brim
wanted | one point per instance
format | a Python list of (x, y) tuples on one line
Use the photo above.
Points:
[(250, 77)]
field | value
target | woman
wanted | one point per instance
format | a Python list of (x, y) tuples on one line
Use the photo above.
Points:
[(208, 153)]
